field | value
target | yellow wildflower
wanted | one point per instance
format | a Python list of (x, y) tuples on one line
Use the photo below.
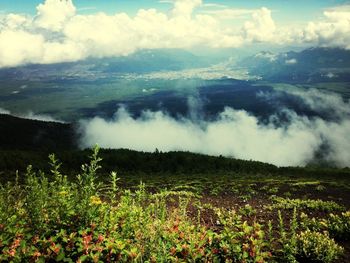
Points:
[(95, 200)]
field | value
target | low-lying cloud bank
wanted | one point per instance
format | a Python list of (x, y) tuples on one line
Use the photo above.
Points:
[(234, 133)]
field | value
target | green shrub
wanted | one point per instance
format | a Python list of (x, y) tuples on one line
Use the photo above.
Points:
[(320, 188), (239, 241), (338, 226), (315, 246), (247, 210), (49, 218), (288, 239), (290, 204)]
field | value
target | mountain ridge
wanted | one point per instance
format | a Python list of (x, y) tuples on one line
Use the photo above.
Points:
[(309, 65)]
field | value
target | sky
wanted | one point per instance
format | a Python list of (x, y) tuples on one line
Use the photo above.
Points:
[(130, 6), (51, 31), (284, 10)]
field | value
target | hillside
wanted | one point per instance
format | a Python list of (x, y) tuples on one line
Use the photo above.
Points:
[(309, 65), (24, 134), (199, 207), (144, 61), (234, 216), (26, 142)]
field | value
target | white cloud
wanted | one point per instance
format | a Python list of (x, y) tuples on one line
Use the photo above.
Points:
[(32, 116), (3, 111), (58, 34), (39, 117), (261, 28), (14, 21), (323, 102), (87, 8), (184, 8), (53, 14), (330, 75), (291, 61), (20, 47), (267, 55), (215, 5), (229, 13), (339, 8), (55, 52), (334, 30), (234, 132)]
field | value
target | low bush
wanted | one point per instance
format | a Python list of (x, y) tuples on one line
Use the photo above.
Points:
[(290, 204), (316, 246), (49, 218), (337, 225)]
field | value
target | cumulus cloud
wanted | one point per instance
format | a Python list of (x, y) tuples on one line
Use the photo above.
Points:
[(262, 27), (58, 33), (14, 21), (184, 8), (20, 47), (53, 14), (333, 30)]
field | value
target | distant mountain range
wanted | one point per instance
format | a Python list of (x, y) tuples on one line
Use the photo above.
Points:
[(144, 61), (150, 60), (310, 65)]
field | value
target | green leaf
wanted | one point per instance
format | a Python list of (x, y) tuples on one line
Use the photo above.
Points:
[(60, 256), (83, 258)]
